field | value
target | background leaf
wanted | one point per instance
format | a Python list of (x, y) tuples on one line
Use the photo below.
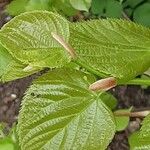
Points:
[(64, 7), (132, 3), (113, 47), (37, 5), (16, 7), (106, 8), (81, 4), (28, 38), (142, 14), (98, 6), (59, 112), (113, 9)]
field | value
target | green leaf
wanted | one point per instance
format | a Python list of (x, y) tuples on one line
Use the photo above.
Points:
[(9, 142), (142, 14), (112, 47), (64, 7), (11, 68), (81, 4), (141, 139), (6, 144), (28, 38), (37, 5), (113, 9), (16, 7), (122, 121), (109, 100), (59, 112), (132, 3), (98, 6)]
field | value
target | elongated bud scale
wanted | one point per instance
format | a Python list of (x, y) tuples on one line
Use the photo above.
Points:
[(133, 114), (62, 42), (103, 84)]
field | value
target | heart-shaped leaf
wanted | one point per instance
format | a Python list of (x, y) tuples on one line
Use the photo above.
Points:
[(113, 47), (28, 38), (59, 112)]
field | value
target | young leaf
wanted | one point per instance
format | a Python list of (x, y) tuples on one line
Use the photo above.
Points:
[(28, 38), (109, 100), (141, 139), (122, 121), (59, 112), (11, 68), (112, 47)]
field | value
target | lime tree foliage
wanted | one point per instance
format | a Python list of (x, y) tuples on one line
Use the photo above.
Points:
[(59, 111)]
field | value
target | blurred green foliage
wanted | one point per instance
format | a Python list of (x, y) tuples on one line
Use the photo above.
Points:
[(66, 7), (136, 10)]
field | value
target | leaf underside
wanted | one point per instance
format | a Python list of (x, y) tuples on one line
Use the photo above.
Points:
[(114, 47), (59, 112)]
